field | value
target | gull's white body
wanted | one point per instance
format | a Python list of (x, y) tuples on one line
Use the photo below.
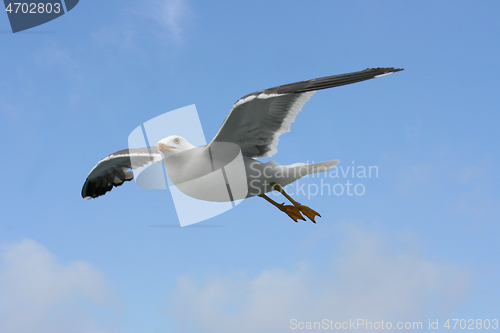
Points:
[(196, 176)]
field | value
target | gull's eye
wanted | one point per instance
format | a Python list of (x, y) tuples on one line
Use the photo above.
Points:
[(177, 140)]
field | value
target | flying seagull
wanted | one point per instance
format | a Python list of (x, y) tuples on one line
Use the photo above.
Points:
[(252, 129)]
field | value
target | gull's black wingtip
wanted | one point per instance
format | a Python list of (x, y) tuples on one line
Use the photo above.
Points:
[(386, 70), (381, 71)]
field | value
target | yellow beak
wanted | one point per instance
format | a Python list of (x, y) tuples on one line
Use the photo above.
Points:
[(164, 147)]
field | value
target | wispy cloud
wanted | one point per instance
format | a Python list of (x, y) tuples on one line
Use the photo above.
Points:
[(39, 294), (369, 281), (166, 21), (463, 181), (173, 15)]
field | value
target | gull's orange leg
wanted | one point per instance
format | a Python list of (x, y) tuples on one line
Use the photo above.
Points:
[(292, 211), (309, 212)]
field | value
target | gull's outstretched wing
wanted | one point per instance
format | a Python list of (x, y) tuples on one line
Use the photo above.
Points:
[(112, 170), (257, 120)]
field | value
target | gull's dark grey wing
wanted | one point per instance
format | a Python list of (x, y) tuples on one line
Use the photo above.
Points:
[(112, 170), (258, 119)]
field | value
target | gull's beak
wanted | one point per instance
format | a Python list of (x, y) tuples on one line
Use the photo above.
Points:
[(164, 147)]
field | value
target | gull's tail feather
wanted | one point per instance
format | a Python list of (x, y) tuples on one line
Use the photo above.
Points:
[(304, 169)]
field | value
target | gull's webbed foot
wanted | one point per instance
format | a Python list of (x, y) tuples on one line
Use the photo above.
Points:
[(292, 211), (309, 212)]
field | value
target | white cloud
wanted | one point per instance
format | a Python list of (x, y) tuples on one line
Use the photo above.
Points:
[(172, 15), (369, 281), (39, 294), (148, 20)]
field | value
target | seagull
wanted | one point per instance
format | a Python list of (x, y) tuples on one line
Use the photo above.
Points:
[(251, 130)]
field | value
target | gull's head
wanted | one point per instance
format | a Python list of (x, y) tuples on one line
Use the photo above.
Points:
[(173, 144)]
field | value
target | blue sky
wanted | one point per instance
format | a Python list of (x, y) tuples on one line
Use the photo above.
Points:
[(421, 243)]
